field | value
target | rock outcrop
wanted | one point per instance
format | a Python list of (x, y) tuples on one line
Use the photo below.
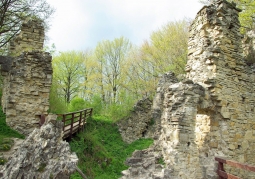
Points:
[(211, 112), (42, 155)]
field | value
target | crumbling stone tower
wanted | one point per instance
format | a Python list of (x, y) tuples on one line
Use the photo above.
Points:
[(28, 80)]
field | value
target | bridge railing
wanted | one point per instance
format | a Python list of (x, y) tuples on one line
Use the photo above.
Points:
[(223, 174), (73, 121)]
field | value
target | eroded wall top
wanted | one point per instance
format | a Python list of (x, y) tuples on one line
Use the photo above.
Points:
[(31, 37)]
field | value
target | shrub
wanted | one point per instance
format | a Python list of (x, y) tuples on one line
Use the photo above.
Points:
[(77, 104)]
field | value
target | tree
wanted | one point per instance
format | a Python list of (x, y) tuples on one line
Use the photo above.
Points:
[(89, 74), (111, 57), (141, 81), (68, 73), (13, 12), (167, 49)]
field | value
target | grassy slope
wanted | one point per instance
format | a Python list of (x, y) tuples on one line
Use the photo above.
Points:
[(101, 150), (6, 131), (5, 134)]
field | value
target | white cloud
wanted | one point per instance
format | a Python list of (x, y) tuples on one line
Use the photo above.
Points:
[(79, 24)]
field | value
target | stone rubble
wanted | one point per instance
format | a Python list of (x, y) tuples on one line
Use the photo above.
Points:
[(43, 154), (145, 165), (211, 112)]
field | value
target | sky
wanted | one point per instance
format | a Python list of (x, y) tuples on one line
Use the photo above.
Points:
[(81, 24)]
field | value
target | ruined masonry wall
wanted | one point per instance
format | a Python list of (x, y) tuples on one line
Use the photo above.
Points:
[(31, 37), (27, 85), (216, 62), (211, 112), (138, 124)]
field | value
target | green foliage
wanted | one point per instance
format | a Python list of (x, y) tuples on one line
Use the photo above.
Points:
[(246, 17), (116, 111), (42, 167), (97, 104), (57, 102), (111, 57), (167, 50), (101, 150), (5, 134), (68, 76), (161, 161), (77, 104), (2, 161), (6, 144), (152, 122), (14, 12)]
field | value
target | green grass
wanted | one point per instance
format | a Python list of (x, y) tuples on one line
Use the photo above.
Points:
[(6, 133), (101, 151), (5, 130)]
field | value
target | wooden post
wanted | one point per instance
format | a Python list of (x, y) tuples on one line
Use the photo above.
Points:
[(64, 121), (91, 111), (71, 129), (42, 119), (81, 173), (220, 168), (80, 121)]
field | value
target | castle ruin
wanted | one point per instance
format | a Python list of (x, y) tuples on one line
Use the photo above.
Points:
[(27, 78), (211, 112)]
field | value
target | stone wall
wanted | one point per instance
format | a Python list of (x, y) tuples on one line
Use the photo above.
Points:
[(31, 37), (211, 112), (139, 123), (27, 83), (216, 62), (145, 118)]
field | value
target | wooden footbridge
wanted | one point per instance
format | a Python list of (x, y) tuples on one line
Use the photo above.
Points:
[(73, 122)]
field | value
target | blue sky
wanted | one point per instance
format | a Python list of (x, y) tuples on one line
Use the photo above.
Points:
[(81, 24)]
